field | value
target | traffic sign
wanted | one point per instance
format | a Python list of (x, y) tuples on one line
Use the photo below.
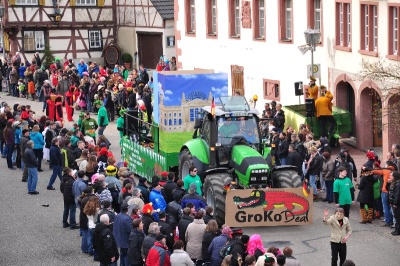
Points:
[(316, 71)]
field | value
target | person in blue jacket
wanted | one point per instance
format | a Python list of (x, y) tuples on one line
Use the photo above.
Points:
[(17, 139), (38, 142), (121, 230), (156, 198)]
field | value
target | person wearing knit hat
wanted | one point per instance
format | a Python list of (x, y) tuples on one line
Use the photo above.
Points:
[(164, 178), (156, 197), (147, 217), (111, 172), (217, 243), (266, 260), (155, 256)]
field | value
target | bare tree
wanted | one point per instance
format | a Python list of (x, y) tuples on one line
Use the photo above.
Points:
[(386, 74)]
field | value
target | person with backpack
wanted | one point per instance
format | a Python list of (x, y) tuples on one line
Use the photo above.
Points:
[(216, 245), (238, 250)]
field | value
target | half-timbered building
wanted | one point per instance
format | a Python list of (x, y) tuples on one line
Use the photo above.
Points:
[(84, 28)]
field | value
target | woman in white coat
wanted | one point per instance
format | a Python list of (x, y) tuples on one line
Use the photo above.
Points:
[(180, 257), (194, 235)]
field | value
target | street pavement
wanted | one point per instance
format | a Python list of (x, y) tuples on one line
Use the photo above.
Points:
[(31, 234)]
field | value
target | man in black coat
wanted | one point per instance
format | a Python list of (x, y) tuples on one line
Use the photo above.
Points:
[(104, 243), (184, 223), (55, 162), (166, 229), (144, 189), (283, 148), (69, 200), (136, 239), (294, 158), (169, 186), (174, 211)]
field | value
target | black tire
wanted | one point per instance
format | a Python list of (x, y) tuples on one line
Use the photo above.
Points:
[(214, 193), (286, 179), (185, 161)]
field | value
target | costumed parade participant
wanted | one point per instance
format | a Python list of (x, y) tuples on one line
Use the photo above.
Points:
[(59, 116), (312, 90), (323, 110), (69, 102)]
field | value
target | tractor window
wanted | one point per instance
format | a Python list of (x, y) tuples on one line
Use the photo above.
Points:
[(229, 127), (205, 130)]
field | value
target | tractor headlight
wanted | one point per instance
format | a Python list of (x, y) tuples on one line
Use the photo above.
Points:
[(264, 178), (253, 178)]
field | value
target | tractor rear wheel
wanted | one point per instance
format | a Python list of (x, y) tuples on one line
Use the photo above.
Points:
[(214, 193), (286, 179), (185, 162)]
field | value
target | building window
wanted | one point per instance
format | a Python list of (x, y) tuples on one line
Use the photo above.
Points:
[(271, 90), (190, 16), (234, 18), (314, 16), (211, 6), (170, 41), (343, 24), (259, 19), (26, 2), (95, 39), (194, 113), (394, 31), (34, 40), (86, 3), (369, 28), (285, 20)]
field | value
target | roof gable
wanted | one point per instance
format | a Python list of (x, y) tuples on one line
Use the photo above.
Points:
[(165, 8)]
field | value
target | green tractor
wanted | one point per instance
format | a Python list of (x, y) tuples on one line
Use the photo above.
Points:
[(228, 152)]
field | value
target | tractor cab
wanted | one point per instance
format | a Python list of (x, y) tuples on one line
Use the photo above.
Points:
[(231, 132)]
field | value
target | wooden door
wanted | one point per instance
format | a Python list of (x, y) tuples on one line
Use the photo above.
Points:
[(376, 119), (150, 49), (237, 76)]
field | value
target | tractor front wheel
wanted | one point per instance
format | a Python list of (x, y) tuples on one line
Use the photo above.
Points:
[(185, 162), (214, 192)]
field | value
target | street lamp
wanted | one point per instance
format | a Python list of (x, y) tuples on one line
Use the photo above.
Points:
[(312, 39), (2, 37)]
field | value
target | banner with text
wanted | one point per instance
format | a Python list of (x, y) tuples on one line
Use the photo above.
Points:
[(268, 207)]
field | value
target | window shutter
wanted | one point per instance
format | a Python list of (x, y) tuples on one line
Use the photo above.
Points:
[(41, 2), (72, 3), (6, 42), (100, 3), (12, 2)]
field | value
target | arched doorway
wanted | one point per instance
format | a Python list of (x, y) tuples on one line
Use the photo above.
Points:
[(345, 99), (371, 118)]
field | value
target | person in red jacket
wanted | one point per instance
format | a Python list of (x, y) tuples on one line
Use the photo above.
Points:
[(69, 102), (158, 254)]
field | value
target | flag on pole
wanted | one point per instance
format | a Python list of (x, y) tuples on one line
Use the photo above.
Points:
[(213, 107), (306, 188)]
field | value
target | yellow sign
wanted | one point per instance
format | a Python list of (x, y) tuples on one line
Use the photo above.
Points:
[(268, 207)]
